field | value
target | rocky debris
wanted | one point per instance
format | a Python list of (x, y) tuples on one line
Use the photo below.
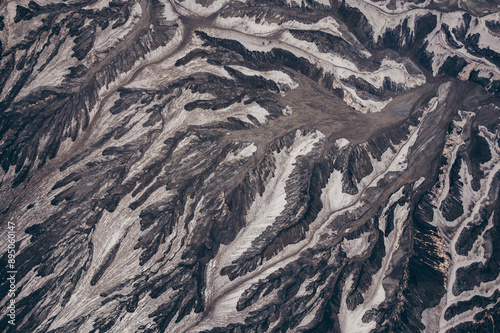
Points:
[(203, 167)]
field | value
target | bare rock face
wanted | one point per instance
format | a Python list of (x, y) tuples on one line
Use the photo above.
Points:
[(250, 166)]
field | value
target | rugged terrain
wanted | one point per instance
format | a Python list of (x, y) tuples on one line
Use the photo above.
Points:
[(251, 166)]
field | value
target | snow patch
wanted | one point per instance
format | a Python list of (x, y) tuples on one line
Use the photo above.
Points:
[(342, 142), (168, 12), (264, 210), (99, 5), (332, 196), (351, 321), (242, 154), (193, 9), (279, 77), (357, 246)]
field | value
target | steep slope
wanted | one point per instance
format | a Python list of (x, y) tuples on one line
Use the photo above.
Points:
[(257, 166)]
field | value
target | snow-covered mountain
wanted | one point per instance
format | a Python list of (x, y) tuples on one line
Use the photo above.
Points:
[(250, 166)]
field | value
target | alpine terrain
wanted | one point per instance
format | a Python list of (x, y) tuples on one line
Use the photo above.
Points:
[(249, 166)]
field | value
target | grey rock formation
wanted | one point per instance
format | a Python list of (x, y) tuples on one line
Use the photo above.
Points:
[(250, 166)]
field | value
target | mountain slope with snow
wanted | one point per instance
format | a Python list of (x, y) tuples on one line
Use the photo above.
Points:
[(251, 166)]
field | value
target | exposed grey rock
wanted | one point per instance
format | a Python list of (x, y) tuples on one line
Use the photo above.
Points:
[(257, 166)]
